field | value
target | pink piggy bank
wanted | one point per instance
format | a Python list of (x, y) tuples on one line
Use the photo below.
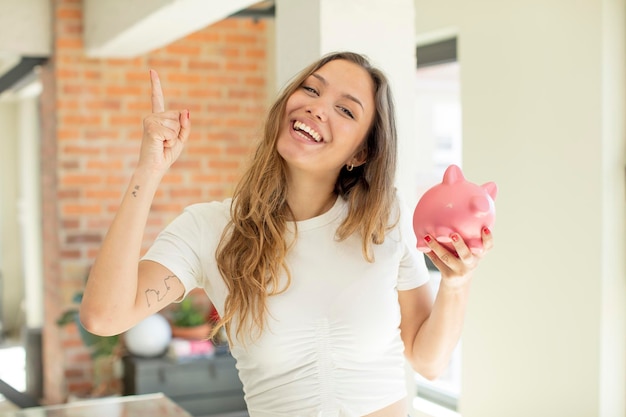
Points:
[(455, 205)]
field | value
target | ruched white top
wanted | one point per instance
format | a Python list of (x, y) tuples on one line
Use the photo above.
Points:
[(332, 343)]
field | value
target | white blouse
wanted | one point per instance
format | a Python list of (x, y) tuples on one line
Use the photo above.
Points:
[(331, 346)]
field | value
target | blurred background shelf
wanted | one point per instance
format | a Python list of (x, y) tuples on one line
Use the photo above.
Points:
[(203, 386)]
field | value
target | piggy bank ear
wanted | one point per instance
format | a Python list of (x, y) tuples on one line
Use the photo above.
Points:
[(452, 175), (491, 188)]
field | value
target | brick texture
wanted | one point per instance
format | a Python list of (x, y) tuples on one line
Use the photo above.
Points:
[(92, 112)]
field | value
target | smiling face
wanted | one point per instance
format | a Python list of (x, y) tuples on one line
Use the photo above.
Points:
[(326, 120)]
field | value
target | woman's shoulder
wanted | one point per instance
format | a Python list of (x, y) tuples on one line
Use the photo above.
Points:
[(210, 207), (212, 212)]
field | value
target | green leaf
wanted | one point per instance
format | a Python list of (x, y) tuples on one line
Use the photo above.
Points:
[(187, 314), (68, 317)]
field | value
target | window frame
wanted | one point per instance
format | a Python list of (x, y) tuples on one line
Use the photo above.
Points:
[(432, 54)]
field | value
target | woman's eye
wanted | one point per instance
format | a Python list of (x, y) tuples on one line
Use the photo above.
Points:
[(310, 90), (347, 112)]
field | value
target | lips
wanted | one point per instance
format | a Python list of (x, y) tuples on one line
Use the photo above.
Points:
[(307, 132)]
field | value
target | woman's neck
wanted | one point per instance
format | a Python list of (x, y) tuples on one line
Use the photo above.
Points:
[(310, 198)]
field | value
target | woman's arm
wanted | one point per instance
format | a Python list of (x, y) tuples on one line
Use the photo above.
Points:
[(115, 294), (431, 331)]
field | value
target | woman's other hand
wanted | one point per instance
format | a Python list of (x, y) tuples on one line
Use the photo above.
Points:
[(457, 268)]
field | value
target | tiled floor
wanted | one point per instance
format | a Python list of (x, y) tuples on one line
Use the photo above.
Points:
[(12, 370)]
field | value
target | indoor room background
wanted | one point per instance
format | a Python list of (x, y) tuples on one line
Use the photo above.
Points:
[(542, 96)]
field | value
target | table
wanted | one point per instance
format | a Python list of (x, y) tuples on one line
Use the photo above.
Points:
[(153, 405)]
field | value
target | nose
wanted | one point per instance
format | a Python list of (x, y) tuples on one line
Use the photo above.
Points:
[(317, 111)]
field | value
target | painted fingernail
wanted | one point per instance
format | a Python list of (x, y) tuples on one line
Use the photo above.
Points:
[(427, 238), (486, 231), (187, 114), (454, 237)]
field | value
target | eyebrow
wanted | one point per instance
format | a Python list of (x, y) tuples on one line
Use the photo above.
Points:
[(346, 95)]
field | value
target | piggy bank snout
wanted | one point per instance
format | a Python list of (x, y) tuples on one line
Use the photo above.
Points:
[(480, 205)]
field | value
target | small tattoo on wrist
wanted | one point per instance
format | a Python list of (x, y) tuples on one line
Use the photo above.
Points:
[(135, 190)]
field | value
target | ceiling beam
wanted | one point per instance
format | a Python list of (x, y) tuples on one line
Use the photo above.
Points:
[(123, 29), (12, 77), (25, 28)]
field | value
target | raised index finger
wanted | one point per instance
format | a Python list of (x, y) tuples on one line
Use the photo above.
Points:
[(157, 93)]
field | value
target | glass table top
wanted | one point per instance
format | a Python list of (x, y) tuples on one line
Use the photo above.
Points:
[(153, 405)]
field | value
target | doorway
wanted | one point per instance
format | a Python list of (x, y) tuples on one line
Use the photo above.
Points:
[(21, 288)]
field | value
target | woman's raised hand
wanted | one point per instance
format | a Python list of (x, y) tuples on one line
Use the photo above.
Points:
[(164, 132)]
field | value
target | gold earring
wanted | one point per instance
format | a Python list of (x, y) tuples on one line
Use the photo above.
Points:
[(350, 167)]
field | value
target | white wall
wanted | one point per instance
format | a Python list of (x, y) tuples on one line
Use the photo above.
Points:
[(542, 92)]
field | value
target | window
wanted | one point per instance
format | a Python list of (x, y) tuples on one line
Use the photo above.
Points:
[(438, 130)]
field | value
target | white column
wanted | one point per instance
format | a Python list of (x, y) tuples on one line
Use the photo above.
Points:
[(613, 167), (381, 29)]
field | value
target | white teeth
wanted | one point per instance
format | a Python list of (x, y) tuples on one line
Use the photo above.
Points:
[(301, 126)]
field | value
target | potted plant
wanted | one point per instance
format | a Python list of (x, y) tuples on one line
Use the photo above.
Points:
[(189, 321), (105, 352)]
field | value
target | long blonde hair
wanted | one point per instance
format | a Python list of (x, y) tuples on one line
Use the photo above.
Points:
[(251, 255)]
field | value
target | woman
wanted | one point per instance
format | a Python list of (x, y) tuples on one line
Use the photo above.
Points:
[(312, 265)]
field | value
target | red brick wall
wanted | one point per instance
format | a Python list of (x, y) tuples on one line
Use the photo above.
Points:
[(92, 117)]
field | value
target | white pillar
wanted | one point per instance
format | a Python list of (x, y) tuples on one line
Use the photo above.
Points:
[(384, 30), (612, 386)]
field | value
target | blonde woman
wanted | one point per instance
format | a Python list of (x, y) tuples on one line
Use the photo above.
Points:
[(312, 265)]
